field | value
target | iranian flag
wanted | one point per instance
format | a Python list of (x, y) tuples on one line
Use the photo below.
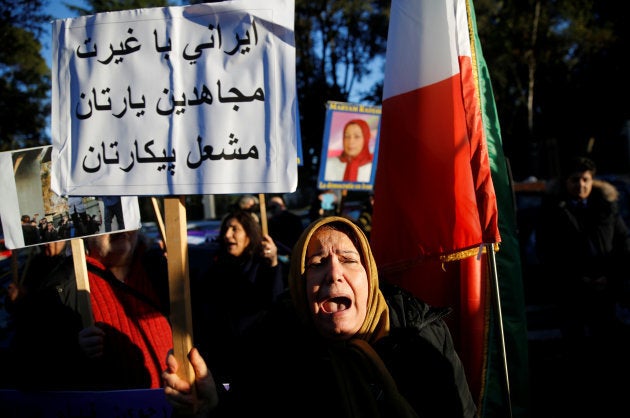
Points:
[(435, 206)]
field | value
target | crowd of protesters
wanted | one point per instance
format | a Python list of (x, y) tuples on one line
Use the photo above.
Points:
[(581, 238)]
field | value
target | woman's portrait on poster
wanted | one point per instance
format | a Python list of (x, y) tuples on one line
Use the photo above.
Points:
[(350, 150)]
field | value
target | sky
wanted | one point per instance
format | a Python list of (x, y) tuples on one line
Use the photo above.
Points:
[(57, 10)]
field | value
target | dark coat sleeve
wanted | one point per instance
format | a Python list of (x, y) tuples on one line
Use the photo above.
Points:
[(421, 356), (45, 353)]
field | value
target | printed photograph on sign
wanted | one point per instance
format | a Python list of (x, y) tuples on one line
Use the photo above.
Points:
[(350, 146), (33, 214)]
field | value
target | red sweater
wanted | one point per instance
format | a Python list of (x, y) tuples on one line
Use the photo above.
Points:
[(131, 324)]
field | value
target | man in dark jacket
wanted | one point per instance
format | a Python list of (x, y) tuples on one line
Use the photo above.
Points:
[(584, 243), (285, 226)]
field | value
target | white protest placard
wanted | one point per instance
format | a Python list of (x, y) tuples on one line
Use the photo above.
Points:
[(197, 99)]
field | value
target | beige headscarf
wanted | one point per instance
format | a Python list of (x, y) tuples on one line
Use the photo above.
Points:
[(376, 323), (357, 365)]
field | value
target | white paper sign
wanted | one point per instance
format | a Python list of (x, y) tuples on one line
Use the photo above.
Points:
[(177, 100), (32, 214)]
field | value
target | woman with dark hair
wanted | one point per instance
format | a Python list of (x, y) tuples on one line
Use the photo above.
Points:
[(242, 280), (355, 162)]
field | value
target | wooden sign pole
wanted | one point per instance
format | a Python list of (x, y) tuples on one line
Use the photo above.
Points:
[(263, 213), (83, 283), (179, 285)]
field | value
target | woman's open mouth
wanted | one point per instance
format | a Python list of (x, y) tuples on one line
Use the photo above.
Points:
[(336, 304)]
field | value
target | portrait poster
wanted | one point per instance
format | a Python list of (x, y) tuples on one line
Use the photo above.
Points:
[(349, 147), (180, 100), (32, 214)]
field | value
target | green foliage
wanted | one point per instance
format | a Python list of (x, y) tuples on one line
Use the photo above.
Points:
[(336, 43), (24, 75), (558, 79)]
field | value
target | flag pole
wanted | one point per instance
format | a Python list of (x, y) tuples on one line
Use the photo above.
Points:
[(492, 265)]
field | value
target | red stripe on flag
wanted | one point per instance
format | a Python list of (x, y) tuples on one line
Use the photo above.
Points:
[(426, 202)]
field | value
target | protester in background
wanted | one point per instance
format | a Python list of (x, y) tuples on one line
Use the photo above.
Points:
[(285, 226), (585, 245), (113, 209), (250, 203), (336, 346), (30, 232), (50, 233), (64, 228), (242, 280), (355, 161), (40, 261), (78, 214), (43, 227), (131, 335), (93, 225), (327, 203), (365, 217)]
